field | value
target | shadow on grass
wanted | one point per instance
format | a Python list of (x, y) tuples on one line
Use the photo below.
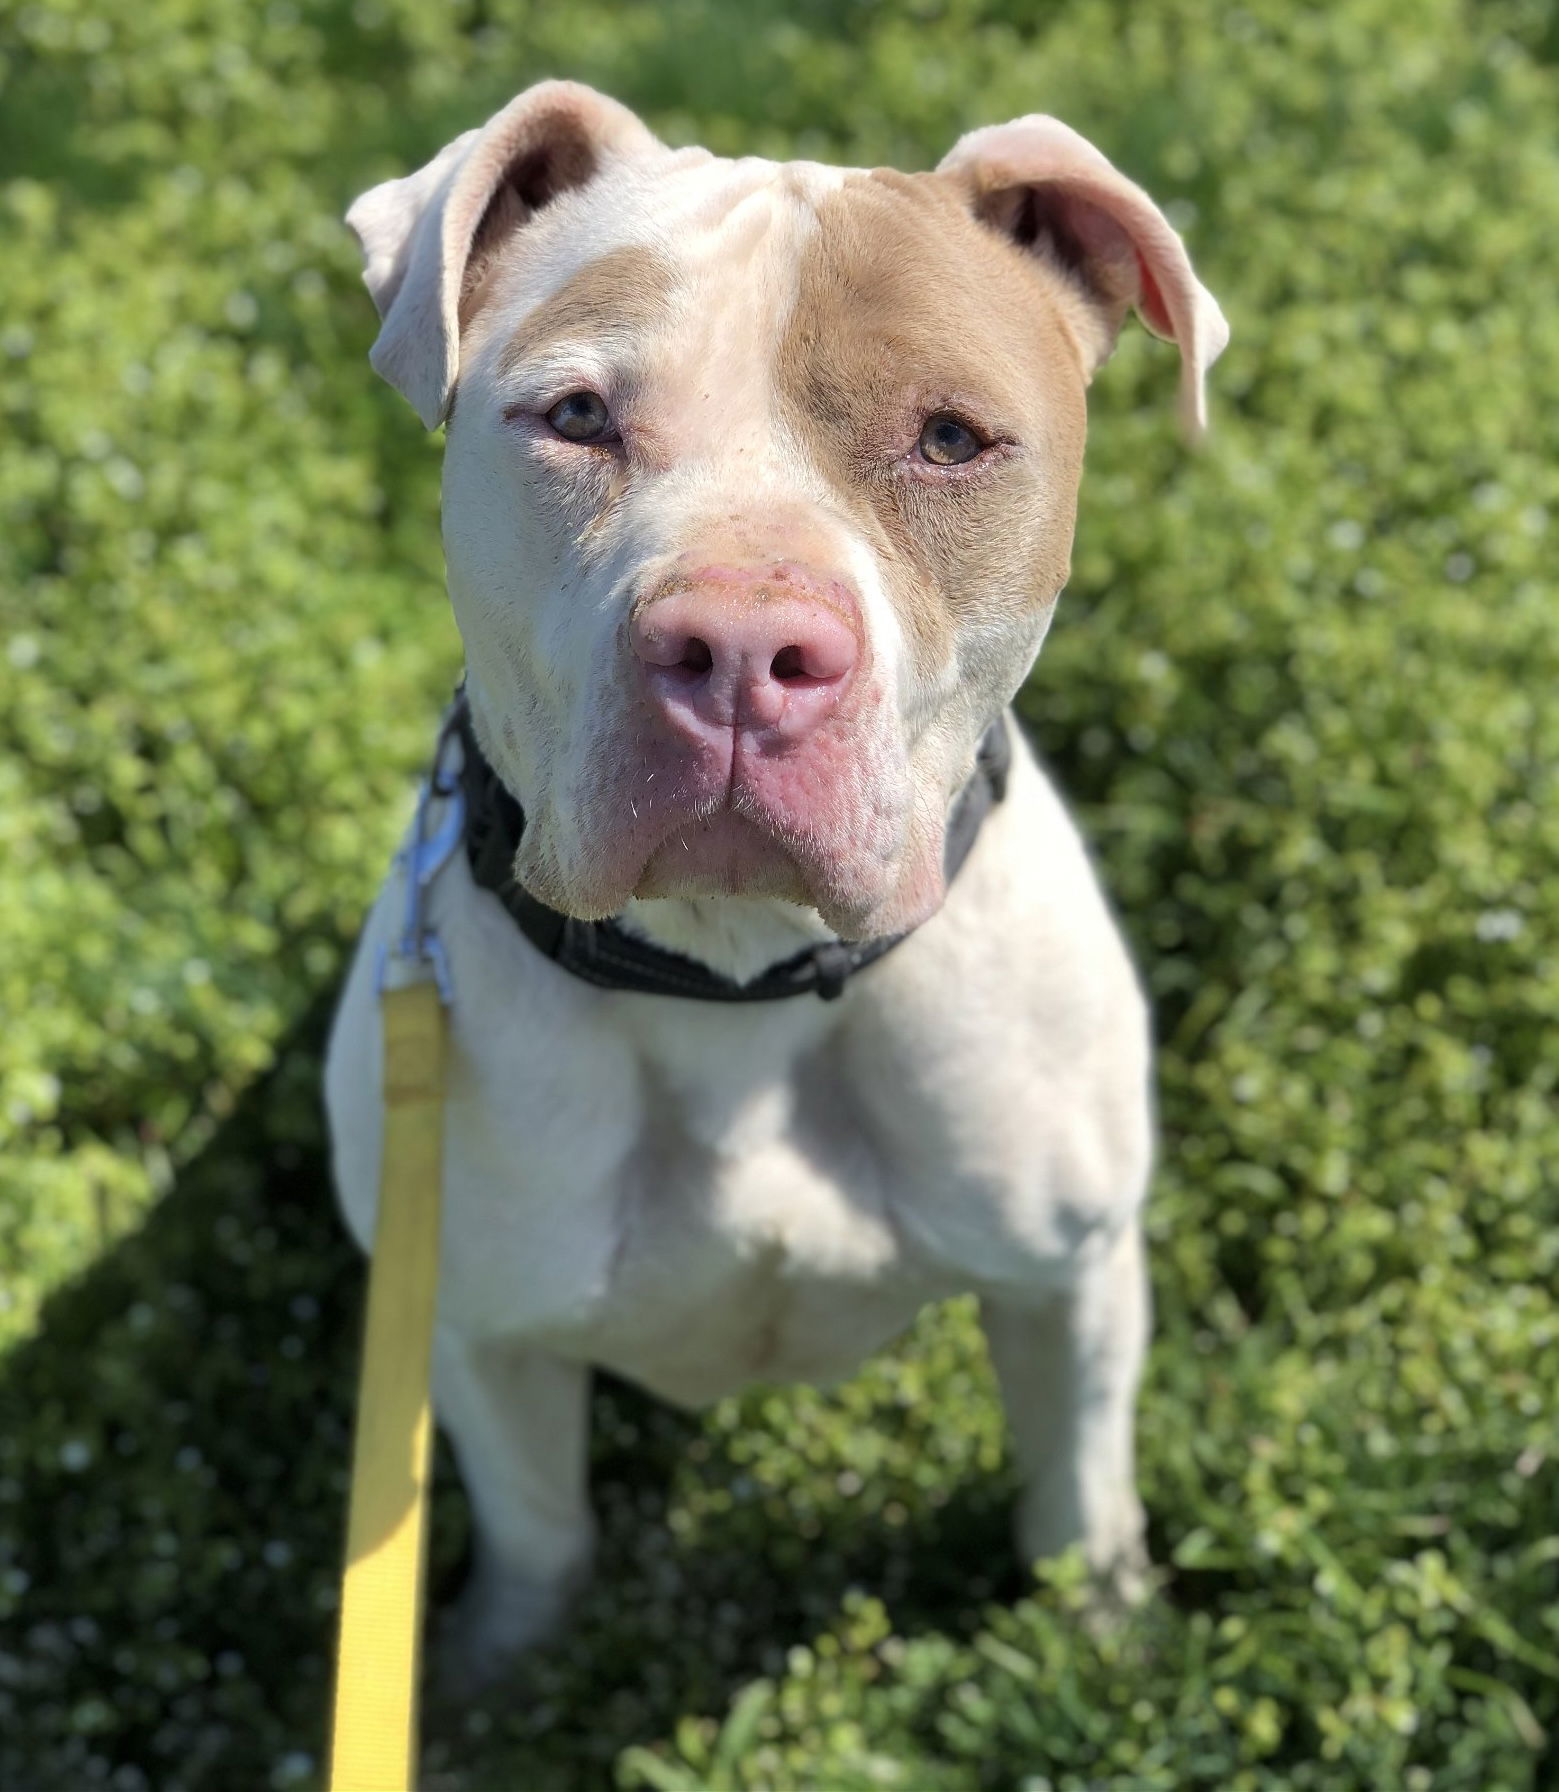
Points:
[(172, 1503)]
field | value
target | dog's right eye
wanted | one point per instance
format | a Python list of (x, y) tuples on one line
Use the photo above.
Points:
[(582, 417)]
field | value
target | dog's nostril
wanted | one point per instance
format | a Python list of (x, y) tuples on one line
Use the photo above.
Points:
[(696, 656), (789, 662)]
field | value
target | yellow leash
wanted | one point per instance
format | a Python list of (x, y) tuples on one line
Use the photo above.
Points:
[(374, 1748), (378, 1656)]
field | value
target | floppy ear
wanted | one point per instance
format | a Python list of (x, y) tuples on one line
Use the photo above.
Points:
[(1052, 192), (426, 239)]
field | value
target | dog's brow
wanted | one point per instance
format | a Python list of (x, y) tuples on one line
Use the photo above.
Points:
[(624, 293)]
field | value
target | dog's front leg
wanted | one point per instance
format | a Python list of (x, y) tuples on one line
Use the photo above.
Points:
[(1068, 1370), (518, 1419)]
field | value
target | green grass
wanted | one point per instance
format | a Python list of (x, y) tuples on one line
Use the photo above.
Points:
[(1301, 690)]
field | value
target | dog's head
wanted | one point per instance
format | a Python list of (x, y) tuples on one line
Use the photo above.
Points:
[(760, 478)]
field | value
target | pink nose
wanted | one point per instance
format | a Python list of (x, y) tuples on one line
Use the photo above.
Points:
[(769, 647)]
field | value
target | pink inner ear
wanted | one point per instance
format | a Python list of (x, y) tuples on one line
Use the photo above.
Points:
[(1154, 311)]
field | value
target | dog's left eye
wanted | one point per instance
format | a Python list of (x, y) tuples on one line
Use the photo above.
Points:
[(947, 441), (582, 417)]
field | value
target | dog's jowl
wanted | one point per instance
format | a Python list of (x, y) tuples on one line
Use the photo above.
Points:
[(784, 997)]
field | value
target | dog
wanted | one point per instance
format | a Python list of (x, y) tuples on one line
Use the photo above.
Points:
[(759, 490)]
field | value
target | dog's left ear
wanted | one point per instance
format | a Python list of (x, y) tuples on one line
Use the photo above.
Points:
[(1053, 193), (427, 239)]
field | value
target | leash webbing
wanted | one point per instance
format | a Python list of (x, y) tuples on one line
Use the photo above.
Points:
[(374, 1739)]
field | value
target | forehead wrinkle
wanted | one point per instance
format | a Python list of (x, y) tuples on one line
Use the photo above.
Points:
[(714, 366), (728, 185)]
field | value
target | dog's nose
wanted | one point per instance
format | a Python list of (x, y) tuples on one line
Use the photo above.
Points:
[(769, 647)]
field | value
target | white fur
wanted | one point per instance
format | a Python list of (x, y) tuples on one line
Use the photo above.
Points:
[(698, 1196)]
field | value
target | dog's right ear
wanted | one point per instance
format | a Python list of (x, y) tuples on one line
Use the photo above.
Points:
[(427, 239)]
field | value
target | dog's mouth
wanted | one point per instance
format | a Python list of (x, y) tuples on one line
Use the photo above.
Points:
[(838, 825), (727, 852), (840, 847)]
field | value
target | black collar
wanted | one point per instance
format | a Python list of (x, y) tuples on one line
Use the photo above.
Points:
[(605, 954)]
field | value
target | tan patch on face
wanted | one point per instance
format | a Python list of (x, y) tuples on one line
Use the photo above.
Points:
[(622, 295), (907, 306)]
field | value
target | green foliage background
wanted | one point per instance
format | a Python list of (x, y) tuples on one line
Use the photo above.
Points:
[(1302, 691)]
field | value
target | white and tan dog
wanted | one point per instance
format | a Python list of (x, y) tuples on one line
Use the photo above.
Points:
[(759, 491)]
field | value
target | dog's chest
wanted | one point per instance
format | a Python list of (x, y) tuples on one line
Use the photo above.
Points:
[(697, 1220), (753, 1259)]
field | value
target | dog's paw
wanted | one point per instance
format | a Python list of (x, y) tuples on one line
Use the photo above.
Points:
[(492, 1624), (1112, 1546), (1116, 1588)]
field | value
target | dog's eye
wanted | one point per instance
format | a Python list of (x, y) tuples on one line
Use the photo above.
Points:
[(582, 417), (947, 441)]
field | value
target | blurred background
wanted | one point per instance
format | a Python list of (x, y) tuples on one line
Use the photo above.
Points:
[(1301, 691)]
